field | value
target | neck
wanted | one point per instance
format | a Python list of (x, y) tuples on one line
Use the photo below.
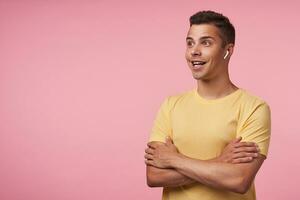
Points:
[(216, 88)]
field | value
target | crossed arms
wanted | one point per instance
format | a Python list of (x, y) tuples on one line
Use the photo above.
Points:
[(233, 170)]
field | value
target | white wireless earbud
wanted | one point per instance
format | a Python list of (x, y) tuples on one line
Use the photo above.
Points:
[(227, 52)]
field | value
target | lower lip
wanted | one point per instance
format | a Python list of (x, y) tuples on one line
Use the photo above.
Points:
[(197, 68)]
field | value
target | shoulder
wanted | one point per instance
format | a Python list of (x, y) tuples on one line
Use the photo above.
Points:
[(250, 100), (253, 106), (173, 100)]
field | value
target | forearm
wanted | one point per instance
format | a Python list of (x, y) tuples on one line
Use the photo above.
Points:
[(234, 170), (211, 173), (157, 177)]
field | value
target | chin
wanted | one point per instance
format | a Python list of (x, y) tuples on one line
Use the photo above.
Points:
[(197, 77), (202, 77)]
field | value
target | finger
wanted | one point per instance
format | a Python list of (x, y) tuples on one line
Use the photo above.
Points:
[(246, 149), (245, 144), (149, 162), (155, 144), (236, 140), (148, 156), (242, 160), (149, 151), (244, 155), (169, 140), (151, 145)]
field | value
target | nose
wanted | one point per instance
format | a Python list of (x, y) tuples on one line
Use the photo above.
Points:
[(196, 51)]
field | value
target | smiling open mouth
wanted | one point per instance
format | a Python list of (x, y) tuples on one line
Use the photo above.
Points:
[(198, 64)]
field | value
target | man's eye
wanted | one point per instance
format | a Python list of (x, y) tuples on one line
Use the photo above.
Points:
[(206, 43), (189, 43)]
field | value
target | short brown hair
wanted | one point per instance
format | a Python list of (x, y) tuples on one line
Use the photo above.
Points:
[(222, 22)]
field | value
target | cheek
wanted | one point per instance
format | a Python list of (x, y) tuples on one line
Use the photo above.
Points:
[(187, 54), (211, 54), (208, 52)]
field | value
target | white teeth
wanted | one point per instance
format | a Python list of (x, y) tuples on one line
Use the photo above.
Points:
[(198, 63)]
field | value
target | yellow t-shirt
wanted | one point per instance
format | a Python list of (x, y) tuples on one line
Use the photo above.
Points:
[(201, 128)]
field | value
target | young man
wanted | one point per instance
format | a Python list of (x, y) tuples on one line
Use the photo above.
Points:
[(209, 142)]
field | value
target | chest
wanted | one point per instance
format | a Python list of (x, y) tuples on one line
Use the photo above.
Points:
[(204, 131)]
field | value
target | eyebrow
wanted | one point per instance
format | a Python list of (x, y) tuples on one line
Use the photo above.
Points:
[(202, 38)]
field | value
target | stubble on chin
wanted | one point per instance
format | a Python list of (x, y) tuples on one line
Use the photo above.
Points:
[(197, 77)]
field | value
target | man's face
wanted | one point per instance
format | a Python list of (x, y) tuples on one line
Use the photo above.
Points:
[(204, 52)]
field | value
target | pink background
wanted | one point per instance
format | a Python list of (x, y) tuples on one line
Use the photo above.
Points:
[(81, 82)]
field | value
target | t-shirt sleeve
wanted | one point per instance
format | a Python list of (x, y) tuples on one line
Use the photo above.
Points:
[(162, 124), (257, 127)]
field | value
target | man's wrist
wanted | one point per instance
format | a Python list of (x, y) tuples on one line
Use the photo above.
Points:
[(177, 161)]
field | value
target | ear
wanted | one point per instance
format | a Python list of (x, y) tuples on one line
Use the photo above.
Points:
[(226, 54), (229, 47)]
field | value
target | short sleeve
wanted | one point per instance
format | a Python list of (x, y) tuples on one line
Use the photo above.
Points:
[(162, 124), (257, 127)]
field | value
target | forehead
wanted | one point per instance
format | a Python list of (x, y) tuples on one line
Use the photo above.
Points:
[(197, 31)]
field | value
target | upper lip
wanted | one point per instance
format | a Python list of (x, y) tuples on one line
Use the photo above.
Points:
[(198, 61)]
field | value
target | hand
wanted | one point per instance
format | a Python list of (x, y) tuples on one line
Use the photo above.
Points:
[(238, 152), (161, 155)]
